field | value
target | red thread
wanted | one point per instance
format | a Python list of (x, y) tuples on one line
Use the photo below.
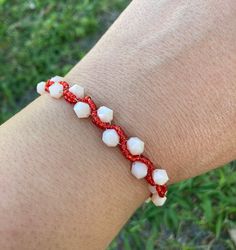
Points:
[(162, 190), (48, 84), (64, 84), (71, 98)]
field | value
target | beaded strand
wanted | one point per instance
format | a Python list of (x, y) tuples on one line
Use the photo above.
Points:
[(113, 135)]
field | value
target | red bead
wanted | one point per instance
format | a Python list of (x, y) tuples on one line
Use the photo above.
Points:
[(121, 133), (161, 190), (65, 85), (96, 120), (149, 178), (48, 84), (90, 103), (69, 97)]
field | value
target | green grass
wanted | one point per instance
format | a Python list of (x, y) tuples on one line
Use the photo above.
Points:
[(198, 215), (39, 39)]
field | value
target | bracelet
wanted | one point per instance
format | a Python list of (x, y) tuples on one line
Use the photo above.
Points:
[(113, 135)]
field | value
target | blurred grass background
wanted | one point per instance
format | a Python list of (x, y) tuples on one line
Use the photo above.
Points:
[(39, 39)]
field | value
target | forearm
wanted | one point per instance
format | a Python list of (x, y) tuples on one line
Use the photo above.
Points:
[(170, 77), (61, 186)]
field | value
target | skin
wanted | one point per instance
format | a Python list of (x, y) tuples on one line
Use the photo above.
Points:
[(167, 69)]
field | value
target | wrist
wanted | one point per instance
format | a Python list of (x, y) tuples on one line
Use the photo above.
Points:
[(168, 115), (78, 180)]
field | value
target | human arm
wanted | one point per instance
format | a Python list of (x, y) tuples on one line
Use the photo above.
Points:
[(171, 84)]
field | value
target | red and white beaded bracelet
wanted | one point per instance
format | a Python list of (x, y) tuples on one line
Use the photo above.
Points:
[(113, 135)]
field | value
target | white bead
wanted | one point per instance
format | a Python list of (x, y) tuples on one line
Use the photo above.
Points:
[(160, 176), (135, 146), (57, 79), (77, 90), (56, 90), (105, 114), (157, 200), (110, 137), (82, 109), (148, 200), (139, 169), (41, 88), (152, 189)]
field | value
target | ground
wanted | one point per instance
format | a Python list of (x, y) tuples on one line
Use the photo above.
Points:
[(39, 39)]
